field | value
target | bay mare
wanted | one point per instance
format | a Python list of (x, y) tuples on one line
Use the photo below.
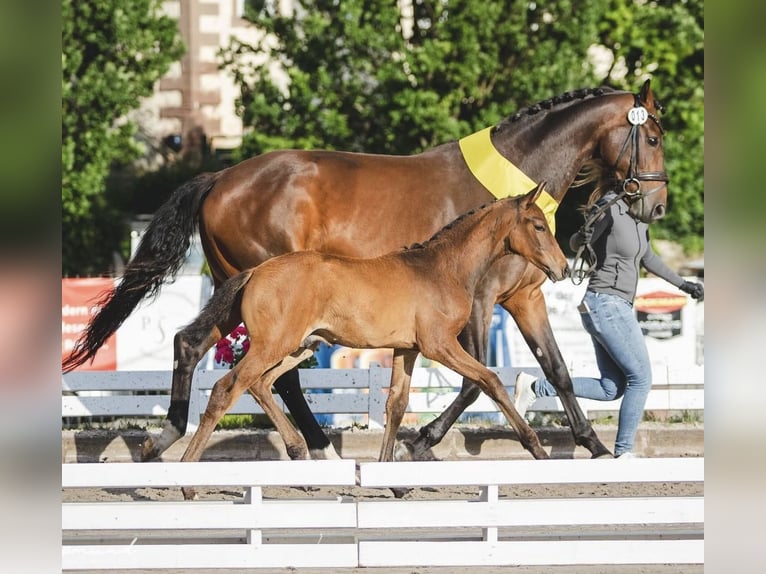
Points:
[(414, 300), (363, 205)]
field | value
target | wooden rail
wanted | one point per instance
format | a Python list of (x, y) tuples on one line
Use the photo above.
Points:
[(348, 532), (344, 391)]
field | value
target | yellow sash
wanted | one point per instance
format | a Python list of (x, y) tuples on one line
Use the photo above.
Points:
[(500, 176)]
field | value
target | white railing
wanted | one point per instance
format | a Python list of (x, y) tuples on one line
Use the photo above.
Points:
[(353, 391), (448, 530)]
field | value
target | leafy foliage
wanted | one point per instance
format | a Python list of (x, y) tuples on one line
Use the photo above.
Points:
[(361, 75), (112, 54)]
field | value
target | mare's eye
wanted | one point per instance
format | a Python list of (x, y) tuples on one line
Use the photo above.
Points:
[(653, 141), (539, 227)]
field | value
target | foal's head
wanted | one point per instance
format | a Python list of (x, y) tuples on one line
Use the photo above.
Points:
[(530, 237)]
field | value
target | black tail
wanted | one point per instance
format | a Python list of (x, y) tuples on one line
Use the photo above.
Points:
[(158, 257), (218, 308)]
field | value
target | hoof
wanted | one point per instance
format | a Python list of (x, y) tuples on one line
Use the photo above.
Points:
[(405, 451), (327, 453), (149, 450), (189, 493), (603, 455)]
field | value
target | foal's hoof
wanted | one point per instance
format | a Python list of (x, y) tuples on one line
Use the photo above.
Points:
[(189, 493), (400, 492), (149, 450)]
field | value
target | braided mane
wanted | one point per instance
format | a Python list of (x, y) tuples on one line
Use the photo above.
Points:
[(544, 105)]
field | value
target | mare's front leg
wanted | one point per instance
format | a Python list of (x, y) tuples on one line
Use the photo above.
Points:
[(398, 396), (289, 388), (452, 355), (528, 310), (189, 346), (473, 339)]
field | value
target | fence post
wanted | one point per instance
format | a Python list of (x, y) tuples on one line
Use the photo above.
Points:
[(254, 496), (378, 378), (489, 493)]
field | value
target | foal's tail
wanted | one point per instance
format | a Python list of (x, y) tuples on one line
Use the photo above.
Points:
[(219, 306), (159, 257)]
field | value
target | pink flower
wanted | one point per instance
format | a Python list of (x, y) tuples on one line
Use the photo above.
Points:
[(223, 352), (230, 350)]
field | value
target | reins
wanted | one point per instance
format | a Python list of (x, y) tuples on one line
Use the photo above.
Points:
[(637, 116)]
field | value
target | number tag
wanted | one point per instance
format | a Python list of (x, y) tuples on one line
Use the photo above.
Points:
[(638, 115)]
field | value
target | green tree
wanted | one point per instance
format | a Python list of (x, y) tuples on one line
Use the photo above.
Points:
[(112, 54), (362, 75)]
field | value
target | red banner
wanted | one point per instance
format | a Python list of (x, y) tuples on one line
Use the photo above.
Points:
[(79, 299)]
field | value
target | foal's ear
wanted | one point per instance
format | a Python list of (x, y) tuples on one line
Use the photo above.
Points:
[(533, 194)]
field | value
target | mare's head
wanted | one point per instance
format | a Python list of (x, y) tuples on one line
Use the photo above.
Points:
[(530, 237), (633, 149)]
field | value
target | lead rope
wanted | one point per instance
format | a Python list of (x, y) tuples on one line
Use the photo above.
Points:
[(585, 254)]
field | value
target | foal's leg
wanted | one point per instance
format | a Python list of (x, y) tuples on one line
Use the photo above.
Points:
[(473, 339), (189, 346), (452, 355), (531, 315), (289, 388), (261, 389), (398, 396), (224, 394)]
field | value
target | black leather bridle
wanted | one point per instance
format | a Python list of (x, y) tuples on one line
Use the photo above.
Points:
[(631, 185), (630, 188)]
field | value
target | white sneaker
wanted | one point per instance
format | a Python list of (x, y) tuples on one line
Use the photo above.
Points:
[(627, 455), (523, 395)]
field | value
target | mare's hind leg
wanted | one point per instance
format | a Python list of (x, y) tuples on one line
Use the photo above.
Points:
[(452, 355), (189, 346), (289, 388), (398, 396), (531, 315), (261, 389)]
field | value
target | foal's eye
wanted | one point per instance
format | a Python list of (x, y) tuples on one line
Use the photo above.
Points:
[(539, 227), (653, 141)]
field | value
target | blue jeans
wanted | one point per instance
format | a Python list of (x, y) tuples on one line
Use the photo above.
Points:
[(622, 360)]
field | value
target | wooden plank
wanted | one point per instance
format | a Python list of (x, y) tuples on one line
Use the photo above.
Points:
[(531, 512), (120, 405), (156, 556), (245, 473), (207, 515), (530, 553), (433, 390), (353, 403), (309, 378), (552, 471), (117, 381)]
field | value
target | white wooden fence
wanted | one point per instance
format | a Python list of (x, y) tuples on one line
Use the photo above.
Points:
[(353, 391), (342, 533)]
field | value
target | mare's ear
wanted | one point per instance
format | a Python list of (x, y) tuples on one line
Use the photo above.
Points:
[(533, 194), (646, 95)]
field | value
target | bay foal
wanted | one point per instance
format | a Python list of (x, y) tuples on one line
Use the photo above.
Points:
[(413, 300)]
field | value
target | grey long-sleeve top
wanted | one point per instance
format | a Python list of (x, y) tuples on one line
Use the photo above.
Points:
[(621, 244)]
